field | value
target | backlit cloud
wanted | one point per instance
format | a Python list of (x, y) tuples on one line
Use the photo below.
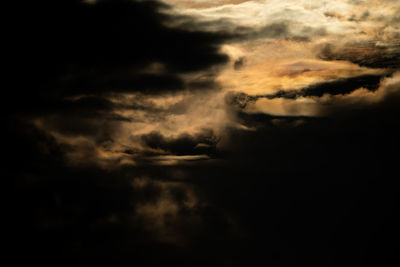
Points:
[(203, 132)]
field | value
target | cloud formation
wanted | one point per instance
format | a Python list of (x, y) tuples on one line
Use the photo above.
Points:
[(204, 133)]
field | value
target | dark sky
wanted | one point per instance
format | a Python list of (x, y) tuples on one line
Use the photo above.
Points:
[(203, 133)]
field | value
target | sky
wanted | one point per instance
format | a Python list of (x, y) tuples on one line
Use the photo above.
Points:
[(203, 133)]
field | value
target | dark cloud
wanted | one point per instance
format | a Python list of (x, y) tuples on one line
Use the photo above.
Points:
[(203, 143), (337, 87), (366, 55), (239, 100), (71, 48)]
